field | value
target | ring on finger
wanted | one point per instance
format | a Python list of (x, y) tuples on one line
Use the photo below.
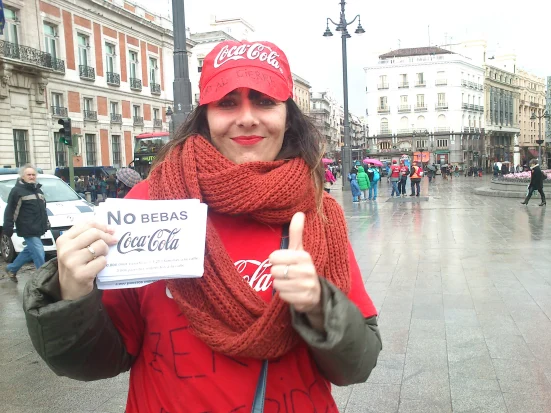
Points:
[(92, 251), (286, 272)]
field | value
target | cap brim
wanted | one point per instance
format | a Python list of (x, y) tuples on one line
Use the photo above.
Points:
[(261, 80)]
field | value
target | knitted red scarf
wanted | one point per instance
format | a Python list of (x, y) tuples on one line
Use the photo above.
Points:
[(224, 312)]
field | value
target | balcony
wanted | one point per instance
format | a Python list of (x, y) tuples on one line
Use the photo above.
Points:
[(383, 109), (464, 106), (441, 106), (420, 83), (405, 131), (155, 88), (58, 111), (420, 107), (442, 129), (463, 83), (30, 56), (138, 121), (157, 123), (404, 108), (86, 72), (113, 79), (382, 86), (402, 85), (116, 118), (135, 84), (441, 82), (90, 115)]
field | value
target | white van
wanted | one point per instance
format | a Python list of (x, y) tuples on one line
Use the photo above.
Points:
[(63, 206)]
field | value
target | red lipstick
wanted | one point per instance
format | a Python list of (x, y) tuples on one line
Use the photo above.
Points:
[(247, 140)]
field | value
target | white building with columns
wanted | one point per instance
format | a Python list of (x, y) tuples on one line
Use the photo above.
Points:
[(425, 98)]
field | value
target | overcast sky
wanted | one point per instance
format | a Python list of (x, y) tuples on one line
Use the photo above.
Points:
[(297, 27)]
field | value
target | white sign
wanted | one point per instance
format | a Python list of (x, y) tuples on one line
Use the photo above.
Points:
[(157, 240)]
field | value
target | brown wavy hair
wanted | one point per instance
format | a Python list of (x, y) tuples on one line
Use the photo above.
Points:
[(301, 139)]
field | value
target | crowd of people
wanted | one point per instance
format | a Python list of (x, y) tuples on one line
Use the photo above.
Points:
[(113, 186)]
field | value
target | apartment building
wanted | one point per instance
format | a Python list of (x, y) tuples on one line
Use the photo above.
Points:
[(532, 101), (425, 98), (107, 65), (301, 93)]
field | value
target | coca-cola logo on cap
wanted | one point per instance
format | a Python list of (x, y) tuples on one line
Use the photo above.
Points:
[(247, 51)]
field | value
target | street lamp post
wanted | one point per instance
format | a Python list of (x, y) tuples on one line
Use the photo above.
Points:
[(422, 150), (182, 84), (341, 26), (540, 141)]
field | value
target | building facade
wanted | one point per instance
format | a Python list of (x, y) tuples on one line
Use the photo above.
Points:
[(301, 93), (320, 113), (532, 100), (502, 112), (426, 98), (106, 65)]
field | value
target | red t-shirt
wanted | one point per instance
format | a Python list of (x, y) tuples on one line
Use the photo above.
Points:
[(395, 171), (404, 170), (175, 372)]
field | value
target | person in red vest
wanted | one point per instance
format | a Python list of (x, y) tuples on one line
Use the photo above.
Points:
[(415, 175), (395, 177)]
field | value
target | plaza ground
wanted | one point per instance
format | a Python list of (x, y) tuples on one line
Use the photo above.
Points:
[(463, 289)]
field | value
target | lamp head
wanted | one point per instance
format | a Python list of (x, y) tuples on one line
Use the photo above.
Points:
[(360, 29), (327, 33), (533, 117)]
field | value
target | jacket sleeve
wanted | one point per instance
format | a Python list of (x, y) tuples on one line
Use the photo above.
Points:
[(75, 338), (13, 198), (347, 351)]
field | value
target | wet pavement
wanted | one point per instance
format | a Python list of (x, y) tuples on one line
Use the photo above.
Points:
[(463, 288)]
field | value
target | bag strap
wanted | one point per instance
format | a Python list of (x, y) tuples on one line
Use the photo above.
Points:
[(260, 393)]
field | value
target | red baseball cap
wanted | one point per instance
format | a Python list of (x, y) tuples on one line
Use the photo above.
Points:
[(260, 66)]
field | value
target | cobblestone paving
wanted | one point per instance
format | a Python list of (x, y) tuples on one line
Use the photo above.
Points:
[(463, 288)]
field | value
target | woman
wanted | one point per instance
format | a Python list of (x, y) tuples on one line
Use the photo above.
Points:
[(200, 344), (329, 179)]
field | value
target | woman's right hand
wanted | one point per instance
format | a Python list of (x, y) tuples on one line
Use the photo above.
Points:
[(81, 254)]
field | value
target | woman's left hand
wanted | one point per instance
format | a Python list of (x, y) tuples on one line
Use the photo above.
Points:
[(295, 276)]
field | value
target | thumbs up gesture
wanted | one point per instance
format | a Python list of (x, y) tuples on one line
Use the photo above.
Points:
[(294, 274)]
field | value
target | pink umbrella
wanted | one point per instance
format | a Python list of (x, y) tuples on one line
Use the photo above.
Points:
[(327, 160), (375, 162)]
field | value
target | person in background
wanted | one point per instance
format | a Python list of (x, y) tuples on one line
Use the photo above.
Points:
[(103, 187), (404, 172), (354, 186), (536, 183), (329, 179), (415, 177), (363, 182), (112, 186), (26, 210), (374, 178), (394, 177)]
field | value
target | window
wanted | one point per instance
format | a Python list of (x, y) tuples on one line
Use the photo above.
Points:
[(384, 125), (136, 111), (114, 108), (90, 149), (156, 114), (200, 64), (153, 70), (385, 145), (403, 82), (383, 101), (60, 151), (20, 145), (83, 47), (11, 29), (420, 101), (404, 100), (420, 79), (133, 65), (116, 149), (110, 60), (88, 104), (421, 144), (50, 40), (441, 99), (57, 100), (442, 143)]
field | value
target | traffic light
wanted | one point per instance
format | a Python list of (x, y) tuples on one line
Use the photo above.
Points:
[(65, 132)]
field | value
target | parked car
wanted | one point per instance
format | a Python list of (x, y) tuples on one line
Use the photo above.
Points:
[(63, 205)]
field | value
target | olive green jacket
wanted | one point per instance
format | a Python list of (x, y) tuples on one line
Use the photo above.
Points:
[(77, 338)]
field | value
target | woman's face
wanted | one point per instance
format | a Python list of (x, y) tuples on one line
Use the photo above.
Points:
[(247, 126)]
